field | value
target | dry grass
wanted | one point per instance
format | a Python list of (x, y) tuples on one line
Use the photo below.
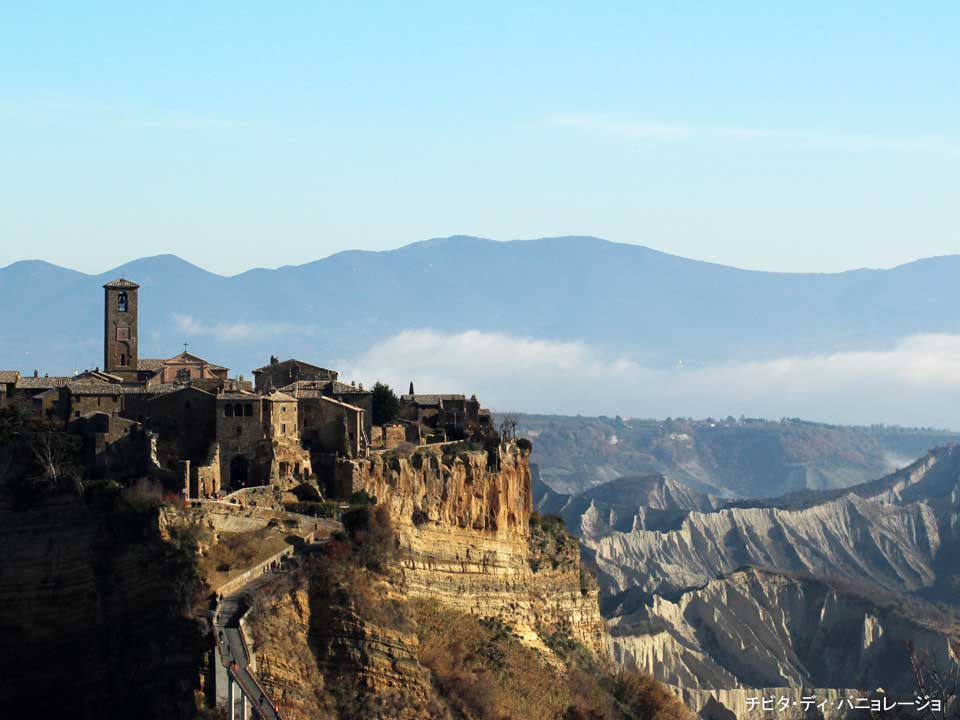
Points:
[(238, 551)]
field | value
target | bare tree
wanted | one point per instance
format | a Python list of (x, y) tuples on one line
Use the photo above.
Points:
[(508, 427), (937, 683), (55, 454)]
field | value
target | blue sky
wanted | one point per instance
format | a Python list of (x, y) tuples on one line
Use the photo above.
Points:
[(819, 137)]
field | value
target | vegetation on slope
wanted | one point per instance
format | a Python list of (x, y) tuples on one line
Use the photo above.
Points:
[(382, 654)]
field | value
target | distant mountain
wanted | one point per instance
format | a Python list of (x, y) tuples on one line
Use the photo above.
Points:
[(624, 299), (726, 458)]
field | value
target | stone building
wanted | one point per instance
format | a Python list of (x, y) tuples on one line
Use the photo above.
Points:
[(181, 369), (278, 374), (8, 381), (110, 442), (330, 426), (259, 439), (120, 329), (185, 422), (340, 391), (457, 416)]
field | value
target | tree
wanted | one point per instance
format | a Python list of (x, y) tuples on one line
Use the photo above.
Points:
[(937, 682), (386, 404), (508, 427)]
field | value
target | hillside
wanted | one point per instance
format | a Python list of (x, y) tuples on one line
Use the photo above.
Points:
[(465, 283), (727, 458), (813, 589)]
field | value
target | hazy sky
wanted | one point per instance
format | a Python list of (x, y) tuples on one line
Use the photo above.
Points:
[(818, 137)]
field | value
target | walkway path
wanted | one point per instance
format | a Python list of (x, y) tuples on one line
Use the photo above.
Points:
[(235, 653)]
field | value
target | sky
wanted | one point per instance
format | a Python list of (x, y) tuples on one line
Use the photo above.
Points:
[(816, 137)]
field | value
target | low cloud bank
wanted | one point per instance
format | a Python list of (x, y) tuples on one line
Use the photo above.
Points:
[(917, 382)]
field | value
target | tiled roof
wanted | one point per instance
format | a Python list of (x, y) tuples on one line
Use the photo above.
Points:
[(98, 376), (294, 361), (149, 364), (277, 396), (121, 283), (338, 403), (9, 376), (430, 400), (102, 389), (318, 388), (41, 383), (237, 396)]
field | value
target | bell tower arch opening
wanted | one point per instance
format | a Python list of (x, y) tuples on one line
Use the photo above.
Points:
[(120, 328)]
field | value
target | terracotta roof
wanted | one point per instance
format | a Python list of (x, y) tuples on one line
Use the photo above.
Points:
[(97, 376), (293, 361), (41, 383), (121, 283), (237, 396), (277, 396), (149, 364), (95, 388), (348, 406), (9, 376), (321, 388), (430, 400)]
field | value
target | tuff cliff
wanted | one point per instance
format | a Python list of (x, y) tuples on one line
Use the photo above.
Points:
[(97, 613), (447, 598), (462, 519)]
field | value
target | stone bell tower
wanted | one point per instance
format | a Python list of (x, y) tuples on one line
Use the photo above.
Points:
[(120, 329)]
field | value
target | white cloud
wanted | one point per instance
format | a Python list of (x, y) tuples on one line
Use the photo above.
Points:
[(238, 331), (917, 382)]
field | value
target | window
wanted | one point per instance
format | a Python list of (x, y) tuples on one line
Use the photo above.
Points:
[(228, 410), (238, 410), (283, 429), (123, 360), (248, 410), (183, 375), (121, 302), (239, 430)]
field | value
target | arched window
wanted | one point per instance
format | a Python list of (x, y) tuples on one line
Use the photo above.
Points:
[(238, 410), (248, 410), (123, 360), (121, 302), (228, 410)]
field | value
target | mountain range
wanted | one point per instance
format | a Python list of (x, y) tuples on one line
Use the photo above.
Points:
[(625, 300)]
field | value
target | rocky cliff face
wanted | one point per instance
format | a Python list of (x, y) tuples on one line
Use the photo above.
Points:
[(760, 629), (462, 521), (810, 590), (891, 532), (92, 604)]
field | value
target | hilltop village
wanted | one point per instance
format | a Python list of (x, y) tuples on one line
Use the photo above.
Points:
[(186, 422)]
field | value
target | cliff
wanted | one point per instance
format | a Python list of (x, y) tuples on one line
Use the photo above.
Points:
[(97, 610), (446, 598), (462, 523)]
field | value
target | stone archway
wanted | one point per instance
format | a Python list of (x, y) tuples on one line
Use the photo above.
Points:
[(239, 472)]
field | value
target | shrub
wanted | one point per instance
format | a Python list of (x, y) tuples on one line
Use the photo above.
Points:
[(645, 698), (386, 404), (143, 496), (362, 497), (371, 535)]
